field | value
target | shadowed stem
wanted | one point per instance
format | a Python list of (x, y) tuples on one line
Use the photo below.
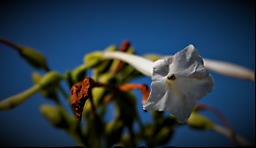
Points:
[(227, 130), (8, 43), (228, 133)]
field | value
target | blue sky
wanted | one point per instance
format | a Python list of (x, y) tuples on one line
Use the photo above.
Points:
[(64, 31)]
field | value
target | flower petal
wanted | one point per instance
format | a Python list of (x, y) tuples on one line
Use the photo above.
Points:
[(185, 60), (192, 78), (161, 68), (173, 100), (158, 91), (179, 104)]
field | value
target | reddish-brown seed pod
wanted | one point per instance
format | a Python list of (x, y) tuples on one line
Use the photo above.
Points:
[(80, 92)]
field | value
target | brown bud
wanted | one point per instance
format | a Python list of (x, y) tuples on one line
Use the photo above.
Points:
[(125, 46)]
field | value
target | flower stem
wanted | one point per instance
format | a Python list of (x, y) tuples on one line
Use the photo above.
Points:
[(223, 119), (228, 133), (8, 43), (18, 99)]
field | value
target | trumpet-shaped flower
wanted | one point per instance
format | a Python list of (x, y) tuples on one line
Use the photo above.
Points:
[(178, 82)]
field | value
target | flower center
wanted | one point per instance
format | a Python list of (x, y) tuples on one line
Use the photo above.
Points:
[(171, 77)]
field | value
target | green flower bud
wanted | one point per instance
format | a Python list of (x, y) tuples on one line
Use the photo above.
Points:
[(92, 59), (98, 93), (200, 122), (95, 58), (58, 117), (78, 74), (52, 114), (36, 77), (34, 58), (18, 99), (111, 48), (105, 65), (48, 92), (50, 79), (164, 135), (152, 57)]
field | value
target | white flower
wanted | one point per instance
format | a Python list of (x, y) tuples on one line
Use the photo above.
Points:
[(178, 82)]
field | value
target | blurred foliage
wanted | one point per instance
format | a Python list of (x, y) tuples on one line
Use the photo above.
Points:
[(94, 131)]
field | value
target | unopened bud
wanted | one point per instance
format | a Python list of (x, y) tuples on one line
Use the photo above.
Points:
[(111, 48), (78, 74), (164, 135), (52, 114), (198, 121), (50, 79), (36, 77), (92, 59), (33, 57), (48, 92), (152, 57)]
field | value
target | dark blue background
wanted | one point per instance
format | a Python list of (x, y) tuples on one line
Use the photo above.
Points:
[(64, 31)]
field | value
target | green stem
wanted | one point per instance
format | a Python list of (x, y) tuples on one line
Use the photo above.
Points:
[(224, 131), (8, 43), (132, 136), (18, 99)]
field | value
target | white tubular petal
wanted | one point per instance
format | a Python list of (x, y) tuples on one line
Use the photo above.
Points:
[(229, 69), (143, 65)]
